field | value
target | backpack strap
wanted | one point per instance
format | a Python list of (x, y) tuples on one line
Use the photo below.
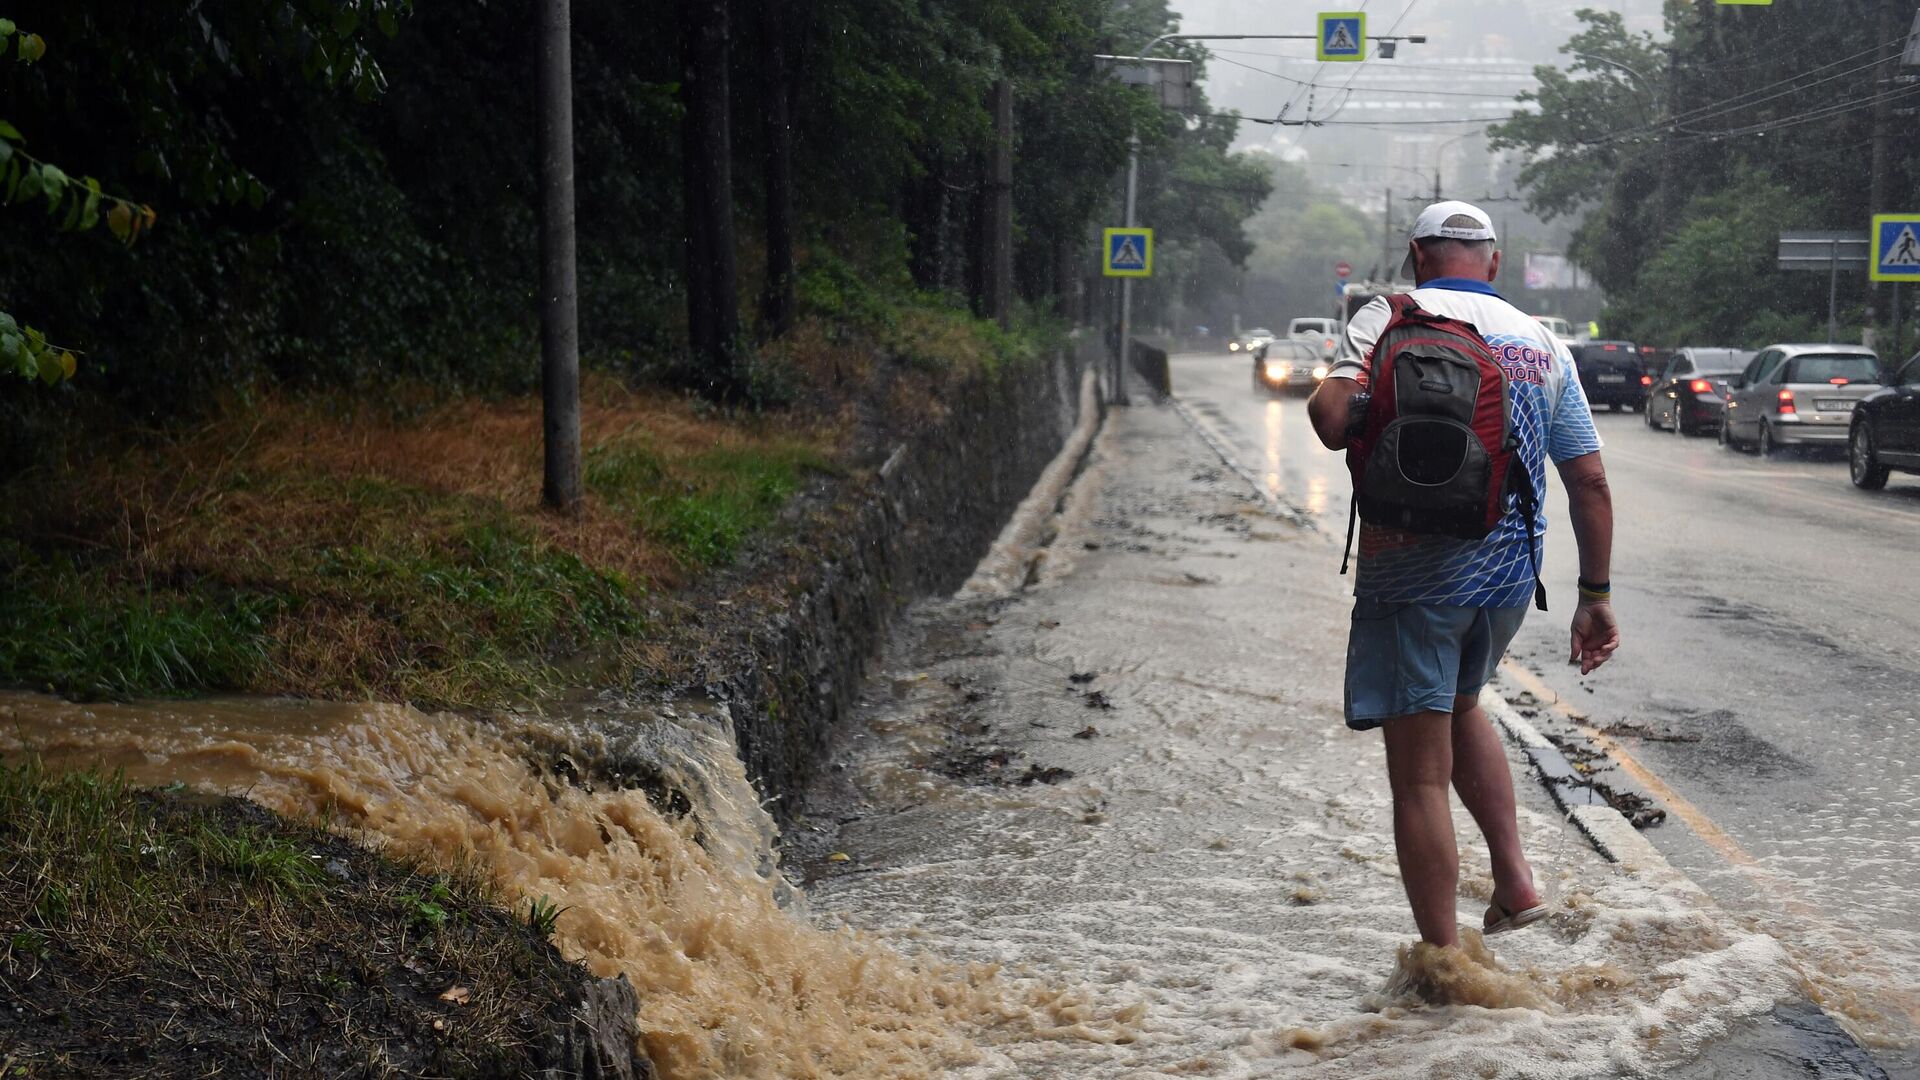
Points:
[(1529, 501), (1353, 522)]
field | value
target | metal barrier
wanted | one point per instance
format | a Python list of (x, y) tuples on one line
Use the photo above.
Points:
[(1149, 361)]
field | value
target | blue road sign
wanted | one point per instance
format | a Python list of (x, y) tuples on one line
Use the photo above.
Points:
[(1343, 35), (1896, 247), (1127, 252)]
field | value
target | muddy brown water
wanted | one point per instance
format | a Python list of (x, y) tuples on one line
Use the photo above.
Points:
[(734, 979)]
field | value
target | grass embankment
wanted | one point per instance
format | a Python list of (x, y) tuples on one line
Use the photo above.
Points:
[(302, 549), (142, 936)]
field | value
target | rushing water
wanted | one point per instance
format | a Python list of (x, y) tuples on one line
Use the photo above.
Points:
[(733, 980)]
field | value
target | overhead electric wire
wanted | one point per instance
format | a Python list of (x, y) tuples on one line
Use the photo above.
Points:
[(1740, 101), (1363, 89)]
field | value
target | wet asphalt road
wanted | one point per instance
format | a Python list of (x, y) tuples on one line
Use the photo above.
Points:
[(1768, 687)]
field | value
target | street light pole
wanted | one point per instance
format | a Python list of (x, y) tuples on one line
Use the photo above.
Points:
[(1124, 354)]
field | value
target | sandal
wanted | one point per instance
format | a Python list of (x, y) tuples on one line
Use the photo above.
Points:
[(1513, 920)]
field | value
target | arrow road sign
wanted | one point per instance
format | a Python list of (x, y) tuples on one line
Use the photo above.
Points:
[(1896, 247), (1343, 35), (1127, 252)]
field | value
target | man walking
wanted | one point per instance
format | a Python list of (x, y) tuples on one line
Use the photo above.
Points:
[(1433, 615)]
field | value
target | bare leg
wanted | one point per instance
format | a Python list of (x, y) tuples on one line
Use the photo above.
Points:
[(1485, 784), (1419, 766)]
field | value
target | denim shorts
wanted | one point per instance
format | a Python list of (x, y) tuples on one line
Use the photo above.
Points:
[(1411, 658)]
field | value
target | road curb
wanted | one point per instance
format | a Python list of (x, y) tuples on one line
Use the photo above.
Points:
[(1606, 828), (1009, 562), (1276, 505)]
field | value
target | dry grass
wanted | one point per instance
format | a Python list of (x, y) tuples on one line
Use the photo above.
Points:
[(290, 547)]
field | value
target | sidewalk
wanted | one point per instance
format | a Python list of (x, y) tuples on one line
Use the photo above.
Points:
[(1131, 780)]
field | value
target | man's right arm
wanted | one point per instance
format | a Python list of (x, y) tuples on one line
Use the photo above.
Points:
[(1596, 634), (1331, 406)]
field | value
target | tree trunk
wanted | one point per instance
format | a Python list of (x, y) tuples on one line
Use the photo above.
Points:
[(713, 304), (999, 290), (777, 302), (559, 310)]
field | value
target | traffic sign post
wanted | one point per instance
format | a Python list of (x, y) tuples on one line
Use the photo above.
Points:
[(1343, 36), (1829, 252), (1127, 253), (1896, 247), (1343, 270)]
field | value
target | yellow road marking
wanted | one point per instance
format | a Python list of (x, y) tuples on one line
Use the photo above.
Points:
[(1694, 817)]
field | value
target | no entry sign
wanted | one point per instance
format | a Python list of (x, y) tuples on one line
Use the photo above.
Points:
[(1343, 270)]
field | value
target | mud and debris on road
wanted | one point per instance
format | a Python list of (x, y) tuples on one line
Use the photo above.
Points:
[(1215, 874)]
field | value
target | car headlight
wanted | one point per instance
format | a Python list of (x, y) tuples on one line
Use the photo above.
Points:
[(1233, 346), (1278, 369), (1320, 372)]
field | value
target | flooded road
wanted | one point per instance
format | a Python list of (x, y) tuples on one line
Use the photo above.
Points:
[(1768, 688), (1133, 776)]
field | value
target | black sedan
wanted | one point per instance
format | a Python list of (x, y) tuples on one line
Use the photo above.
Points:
[(1612, 373), (1690, 394), (1885, 433)]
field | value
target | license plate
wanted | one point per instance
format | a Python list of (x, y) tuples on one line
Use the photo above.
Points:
[(1834, 406), (1611, 378)]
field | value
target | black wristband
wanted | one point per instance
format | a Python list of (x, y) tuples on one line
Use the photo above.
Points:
[(1589, 586)]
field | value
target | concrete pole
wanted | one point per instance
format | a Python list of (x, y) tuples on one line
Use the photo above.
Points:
[(1386, 239), (1833, 292), (1124, 353), (559, 309)]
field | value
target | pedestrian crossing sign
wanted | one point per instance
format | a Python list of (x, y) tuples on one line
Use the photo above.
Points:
[(1343, 35), (1127, 252), (1896, 247)]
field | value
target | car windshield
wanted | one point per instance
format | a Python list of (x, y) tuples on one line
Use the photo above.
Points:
[(1823, 368), (1259, 331)]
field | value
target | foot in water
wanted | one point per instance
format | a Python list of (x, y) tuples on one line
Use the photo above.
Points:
[(1522, 908)]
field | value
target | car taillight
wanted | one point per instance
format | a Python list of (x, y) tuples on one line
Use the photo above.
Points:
[(1839, 382), (1700, 386), (1610, 348), (1786, 403), (1646, 380)]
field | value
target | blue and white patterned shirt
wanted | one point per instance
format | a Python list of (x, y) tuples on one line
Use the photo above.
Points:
[(1551, 416)]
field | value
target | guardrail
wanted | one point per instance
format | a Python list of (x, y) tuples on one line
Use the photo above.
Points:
[(1149, 361)]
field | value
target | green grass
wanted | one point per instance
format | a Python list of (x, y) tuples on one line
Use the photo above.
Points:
[(73, 627), (156, 933), (466, 618), (704, 506)]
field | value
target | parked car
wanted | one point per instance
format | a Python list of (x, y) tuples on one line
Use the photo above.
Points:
[(1288, 366), (1612, 373), (1793, 395), (1884, 433), (1556, 326), (1323, 334), (1250, 340), (1690, 393)]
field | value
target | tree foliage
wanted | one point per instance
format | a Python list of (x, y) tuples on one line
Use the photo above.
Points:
[(1688, 167), (347, 186)]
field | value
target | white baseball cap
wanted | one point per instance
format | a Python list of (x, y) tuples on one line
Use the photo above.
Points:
[(1440, 219)]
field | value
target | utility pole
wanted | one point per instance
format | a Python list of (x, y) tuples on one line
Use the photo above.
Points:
[(1386, 239), (559, 308), (999, 263), (713, 303), (1123, 355), (1877, 194)]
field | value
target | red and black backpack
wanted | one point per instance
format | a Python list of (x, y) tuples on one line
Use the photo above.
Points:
[(1435, 452)]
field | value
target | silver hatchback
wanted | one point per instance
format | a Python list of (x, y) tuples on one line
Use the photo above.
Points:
[(1794, 395)]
